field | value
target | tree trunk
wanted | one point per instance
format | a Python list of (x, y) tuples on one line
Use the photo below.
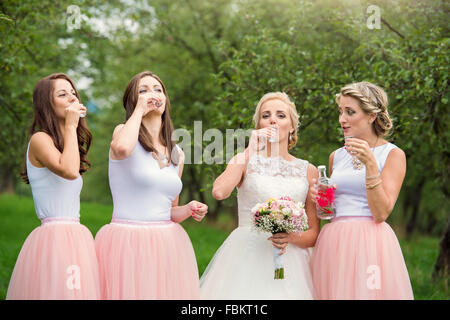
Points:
[(412, 200), (214, 214), (7, 181), (443, 261)]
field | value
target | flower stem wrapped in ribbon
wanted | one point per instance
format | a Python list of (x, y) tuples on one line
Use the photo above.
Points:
[(279, 215)]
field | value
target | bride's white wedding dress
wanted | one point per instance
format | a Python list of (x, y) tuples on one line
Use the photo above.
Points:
[(243, 267)]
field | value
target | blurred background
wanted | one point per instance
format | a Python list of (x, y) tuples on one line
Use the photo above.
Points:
[(216, 59)]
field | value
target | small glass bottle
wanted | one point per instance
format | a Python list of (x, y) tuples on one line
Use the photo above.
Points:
[(326, 208)]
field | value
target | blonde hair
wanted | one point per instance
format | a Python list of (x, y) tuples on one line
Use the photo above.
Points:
[(292, 112), (372, 99)]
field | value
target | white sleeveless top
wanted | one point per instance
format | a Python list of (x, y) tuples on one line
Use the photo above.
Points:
[(350, 195), (270, 178), (140, 189), (54, 196)]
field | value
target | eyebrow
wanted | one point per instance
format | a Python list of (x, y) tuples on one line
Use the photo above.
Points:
[(63, 90), (277, 111), (144, 85)]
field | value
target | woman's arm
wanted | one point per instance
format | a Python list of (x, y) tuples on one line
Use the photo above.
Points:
[(43, 152), (307, 238), (382, 191), (125, 136), (231, 177), (382, 198), (194, 208), (235, 171)]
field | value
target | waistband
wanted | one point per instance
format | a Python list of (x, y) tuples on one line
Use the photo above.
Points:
[(139, 223), (53, 220), (351, 218)]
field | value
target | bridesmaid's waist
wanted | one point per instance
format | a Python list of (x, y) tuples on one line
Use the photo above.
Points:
[(53, 220), (140, 223)]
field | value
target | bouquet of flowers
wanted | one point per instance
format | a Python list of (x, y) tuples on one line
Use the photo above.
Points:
[(279, 215)]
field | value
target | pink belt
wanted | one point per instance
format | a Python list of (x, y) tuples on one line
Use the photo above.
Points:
[(350, 218), (60, 220), (141, 223)]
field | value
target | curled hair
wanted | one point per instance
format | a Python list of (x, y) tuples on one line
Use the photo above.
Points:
[(372, 99), (45, 120), (292, 112)]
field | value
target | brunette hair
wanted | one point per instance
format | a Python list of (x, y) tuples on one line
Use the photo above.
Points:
[(45, 120), (130, 98)]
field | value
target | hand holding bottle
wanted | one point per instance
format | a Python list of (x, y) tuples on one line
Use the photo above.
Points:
[(323, 195)]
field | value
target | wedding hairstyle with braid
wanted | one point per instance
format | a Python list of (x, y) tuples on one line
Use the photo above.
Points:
[(292, 112), (372, 99), (45, 120)]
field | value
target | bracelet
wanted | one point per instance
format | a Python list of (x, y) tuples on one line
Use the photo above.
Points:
[(374, 185), (373, 177)]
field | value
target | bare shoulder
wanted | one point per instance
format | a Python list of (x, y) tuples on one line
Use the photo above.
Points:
[(331, 157), (397, 155), (40, 136), (41, 140)]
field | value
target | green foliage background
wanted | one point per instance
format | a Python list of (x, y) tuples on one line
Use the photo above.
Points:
[(217, 58)]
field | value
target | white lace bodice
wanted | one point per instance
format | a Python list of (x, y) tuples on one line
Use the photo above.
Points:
[(271, 177)]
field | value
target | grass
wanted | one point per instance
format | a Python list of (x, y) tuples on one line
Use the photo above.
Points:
[(19, 219)]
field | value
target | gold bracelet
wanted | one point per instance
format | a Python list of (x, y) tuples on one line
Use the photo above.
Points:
[(373, 177), (374, 185)]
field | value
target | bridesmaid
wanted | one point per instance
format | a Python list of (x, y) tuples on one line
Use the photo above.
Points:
[(57, 260), (357, 255), (144, 253)]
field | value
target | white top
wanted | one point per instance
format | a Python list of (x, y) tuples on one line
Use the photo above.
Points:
[(54, 196), (350, 195), (270, 178), (141, 190)]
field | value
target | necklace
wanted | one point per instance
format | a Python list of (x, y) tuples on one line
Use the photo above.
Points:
[(161, 158), (356, 163)]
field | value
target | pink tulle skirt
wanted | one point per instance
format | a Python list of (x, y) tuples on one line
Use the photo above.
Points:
[(56, 262), (152, 260), (356, 258)]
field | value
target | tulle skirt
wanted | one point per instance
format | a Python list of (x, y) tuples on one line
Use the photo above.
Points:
[(146, 261), (57, 262), (356, 258), (243, 268)]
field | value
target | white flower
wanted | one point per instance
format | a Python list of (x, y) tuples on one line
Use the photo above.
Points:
[(286, 211)]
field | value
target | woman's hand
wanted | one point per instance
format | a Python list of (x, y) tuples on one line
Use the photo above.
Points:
[(360, 149), (313, 191), (146, 103), (259, 138), (280, 240), (197, 209), (73, 113)]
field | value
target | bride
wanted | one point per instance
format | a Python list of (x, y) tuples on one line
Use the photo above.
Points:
[(243, 267)]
